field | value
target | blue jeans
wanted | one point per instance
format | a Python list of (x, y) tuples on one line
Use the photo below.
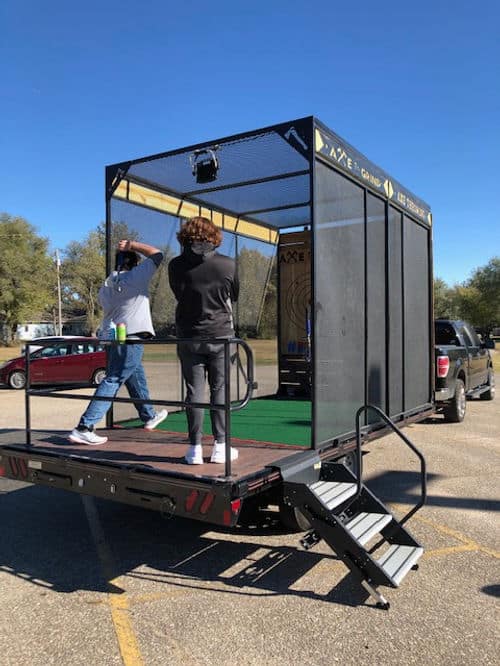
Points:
[(124, 367)]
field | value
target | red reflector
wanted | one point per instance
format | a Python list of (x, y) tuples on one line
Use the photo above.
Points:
[(226, 517), (2, 471), (236, 505), (23, 468), (13, 467), (443, 365), (191, 500), (208, 500)]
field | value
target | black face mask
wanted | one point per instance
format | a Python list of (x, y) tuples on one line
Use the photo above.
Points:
[(202, 247)]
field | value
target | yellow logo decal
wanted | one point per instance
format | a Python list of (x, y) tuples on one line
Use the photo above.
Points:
[(318, 141), (389, 190)]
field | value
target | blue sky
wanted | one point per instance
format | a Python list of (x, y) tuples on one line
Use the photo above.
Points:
[(413, 86)]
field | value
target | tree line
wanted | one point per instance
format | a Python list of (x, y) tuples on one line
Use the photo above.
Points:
[(29, 276), (29, 289), (476, 300)]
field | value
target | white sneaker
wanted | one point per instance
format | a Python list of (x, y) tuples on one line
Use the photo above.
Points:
[(219, 453), (86, 437), (156, 420), (194, 456)]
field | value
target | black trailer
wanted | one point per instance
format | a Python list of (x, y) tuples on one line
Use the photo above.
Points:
[(335, 262)]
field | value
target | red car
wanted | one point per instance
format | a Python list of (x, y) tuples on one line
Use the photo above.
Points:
[(72, 360)]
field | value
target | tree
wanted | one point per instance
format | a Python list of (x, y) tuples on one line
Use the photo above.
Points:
[(472, 306), (119, 231), (27, 275), (257, 300), (441, 298), (161, 298), (83, 272), (476, 300), (485, 282)]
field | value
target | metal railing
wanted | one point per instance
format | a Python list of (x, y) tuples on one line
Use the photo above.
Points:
[(228, 406), (359, 457)]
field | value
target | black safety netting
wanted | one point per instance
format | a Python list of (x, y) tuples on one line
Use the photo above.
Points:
[(256, 173)]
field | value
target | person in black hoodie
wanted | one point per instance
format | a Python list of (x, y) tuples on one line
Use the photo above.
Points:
[(205, 285)]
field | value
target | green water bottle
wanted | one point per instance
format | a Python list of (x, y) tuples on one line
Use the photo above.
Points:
[(121, 332)]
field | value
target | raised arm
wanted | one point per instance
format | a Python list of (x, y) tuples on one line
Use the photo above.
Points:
[(136, 246)]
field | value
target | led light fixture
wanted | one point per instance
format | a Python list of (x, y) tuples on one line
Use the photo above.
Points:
[(204, 164)]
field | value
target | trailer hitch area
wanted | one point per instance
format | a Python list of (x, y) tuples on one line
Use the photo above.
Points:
[(310, 540)]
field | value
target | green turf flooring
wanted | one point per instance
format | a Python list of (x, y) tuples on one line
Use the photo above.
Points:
[(265, 420)]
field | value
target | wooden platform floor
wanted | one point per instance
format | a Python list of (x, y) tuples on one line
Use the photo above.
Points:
[(163, 451)]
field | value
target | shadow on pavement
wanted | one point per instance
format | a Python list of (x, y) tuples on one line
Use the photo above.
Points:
[(404, 487), (46, 540)]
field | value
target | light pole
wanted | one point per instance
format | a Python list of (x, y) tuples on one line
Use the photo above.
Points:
[(59, 309)]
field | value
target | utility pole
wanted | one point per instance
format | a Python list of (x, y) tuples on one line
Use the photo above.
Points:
[(59, 308)]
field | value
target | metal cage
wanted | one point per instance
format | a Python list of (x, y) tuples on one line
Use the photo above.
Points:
[(351, 250)]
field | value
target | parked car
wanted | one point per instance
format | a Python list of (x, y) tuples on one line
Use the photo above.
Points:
[(37, 343), (58, 360), (464, 368)]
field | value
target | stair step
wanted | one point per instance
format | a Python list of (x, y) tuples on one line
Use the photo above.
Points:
[(398, 560), (365, 525), (333, 493)]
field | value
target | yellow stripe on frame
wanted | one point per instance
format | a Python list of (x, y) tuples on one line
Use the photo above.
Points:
[(167, 203)]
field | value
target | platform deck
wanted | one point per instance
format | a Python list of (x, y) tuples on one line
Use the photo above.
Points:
[(159, 450)]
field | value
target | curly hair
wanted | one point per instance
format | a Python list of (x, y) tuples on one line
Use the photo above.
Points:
[(199, 229)]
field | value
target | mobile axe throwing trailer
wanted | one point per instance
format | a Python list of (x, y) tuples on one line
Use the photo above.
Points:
[(335, 257)]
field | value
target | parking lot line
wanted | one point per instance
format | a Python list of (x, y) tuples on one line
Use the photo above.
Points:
[(117, 598), (467, 543)]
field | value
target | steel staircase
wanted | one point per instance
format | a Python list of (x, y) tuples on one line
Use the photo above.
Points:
[(343, 512)]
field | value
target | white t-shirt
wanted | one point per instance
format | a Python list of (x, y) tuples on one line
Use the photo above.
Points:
[(124, 297)]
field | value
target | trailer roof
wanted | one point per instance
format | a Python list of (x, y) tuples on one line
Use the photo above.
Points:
[(263, 181)]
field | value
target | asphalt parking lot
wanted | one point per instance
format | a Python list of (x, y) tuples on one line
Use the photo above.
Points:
[(93, 582)]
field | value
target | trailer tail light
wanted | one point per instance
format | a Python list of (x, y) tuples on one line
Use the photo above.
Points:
[(443, 365), (235, 509), (3, 471)]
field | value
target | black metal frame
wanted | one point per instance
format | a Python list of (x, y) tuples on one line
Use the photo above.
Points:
[(352, 165)]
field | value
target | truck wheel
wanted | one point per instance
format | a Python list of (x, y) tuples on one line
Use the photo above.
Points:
[(454, 412), (490, 393), (98, 376)]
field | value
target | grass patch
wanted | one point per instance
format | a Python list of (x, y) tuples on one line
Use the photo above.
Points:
[(265, 352), (6, 353)]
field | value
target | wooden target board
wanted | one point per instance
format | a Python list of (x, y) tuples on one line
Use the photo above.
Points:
[(294, 255)]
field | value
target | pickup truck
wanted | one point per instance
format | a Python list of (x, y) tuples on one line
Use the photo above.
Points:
[(464, 368)]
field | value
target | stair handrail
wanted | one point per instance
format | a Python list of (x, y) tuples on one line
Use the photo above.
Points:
[(393, 426)]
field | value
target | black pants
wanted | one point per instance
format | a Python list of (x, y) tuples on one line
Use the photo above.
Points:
[(197, 360)]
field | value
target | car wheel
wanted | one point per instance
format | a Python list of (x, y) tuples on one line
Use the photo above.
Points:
[(454, 412), (17, 380), (490, 393), (98, 376)]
